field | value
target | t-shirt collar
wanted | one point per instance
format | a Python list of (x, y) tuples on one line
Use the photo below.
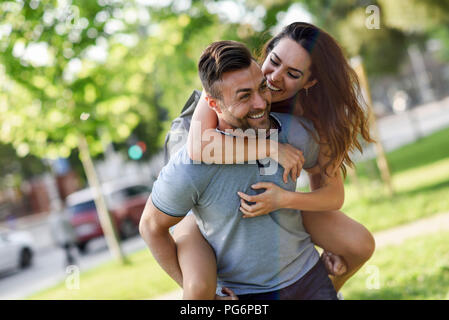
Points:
[(273, 117)]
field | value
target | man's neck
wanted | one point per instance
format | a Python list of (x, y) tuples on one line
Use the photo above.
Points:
[(223, 125)]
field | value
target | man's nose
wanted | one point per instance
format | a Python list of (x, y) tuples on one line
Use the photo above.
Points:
[(259, 102)]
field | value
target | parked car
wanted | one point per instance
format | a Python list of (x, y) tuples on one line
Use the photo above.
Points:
[(16, 250), (125, 204)]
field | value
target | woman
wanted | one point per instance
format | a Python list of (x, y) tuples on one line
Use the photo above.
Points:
[(308, 76)]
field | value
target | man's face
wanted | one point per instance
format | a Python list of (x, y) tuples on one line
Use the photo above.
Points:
[(246, 99)]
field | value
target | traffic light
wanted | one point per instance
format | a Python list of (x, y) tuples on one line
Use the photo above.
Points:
[(137, 150)]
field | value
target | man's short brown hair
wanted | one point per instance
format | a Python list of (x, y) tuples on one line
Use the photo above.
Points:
[(221, 57)]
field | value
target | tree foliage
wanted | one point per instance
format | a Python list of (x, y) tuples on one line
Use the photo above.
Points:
[(128, 66), (98, 68)]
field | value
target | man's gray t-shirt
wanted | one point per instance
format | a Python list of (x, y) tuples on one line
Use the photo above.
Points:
[(254, 255)]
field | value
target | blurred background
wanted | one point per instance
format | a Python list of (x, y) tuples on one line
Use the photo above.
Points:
[(88, 89)]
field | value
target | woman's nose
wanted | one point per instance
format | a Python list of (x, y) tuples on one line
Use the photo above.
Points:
[(276, 75)]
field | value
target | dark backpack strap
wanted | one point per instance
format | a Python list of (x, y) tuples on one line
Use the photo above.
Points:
[(181, 124), (191, 103)]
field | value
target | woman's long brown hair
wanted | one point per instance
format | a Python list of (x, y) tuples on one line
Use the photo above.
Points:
[(334, 103)]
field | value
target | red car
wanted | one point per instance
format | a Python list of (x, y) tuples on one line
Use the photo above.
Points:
[(125, 204)]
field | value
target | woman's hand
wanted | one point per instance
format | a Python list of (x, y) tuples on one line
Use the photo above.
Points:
[(265, 203), (291, 159)]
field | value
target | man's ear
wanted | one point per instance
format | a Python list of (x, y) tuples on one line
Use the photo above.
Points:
[(213, 103), (310, 83)]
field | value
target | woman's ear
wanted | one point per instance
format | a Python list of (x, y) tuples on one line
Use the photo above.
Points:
[(310, 84)]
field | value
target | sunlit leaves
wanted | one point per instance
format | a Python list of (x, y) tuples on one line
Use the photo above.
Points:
[(415, 15)]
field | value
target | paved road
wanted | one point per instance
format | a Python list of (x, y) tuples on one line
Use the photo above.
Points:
[(49, 268)]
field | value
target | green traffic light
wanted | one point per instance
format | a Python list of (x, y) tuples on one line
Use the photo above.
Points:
[(135, 152)]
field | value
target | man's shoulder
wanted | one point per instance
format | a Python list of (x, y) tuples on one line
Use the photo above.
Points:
[(181, 166)]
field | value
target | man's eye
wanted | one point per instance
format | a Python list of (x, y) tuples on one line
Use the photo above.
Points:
[(244, 97), (264, 86)]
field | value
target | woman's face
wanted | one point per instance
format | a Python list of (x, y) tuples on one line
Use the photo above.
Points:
[(287, 69)]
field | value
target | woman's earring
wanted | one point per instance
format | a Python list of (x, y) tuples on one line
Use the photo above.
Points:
[(307, 91)]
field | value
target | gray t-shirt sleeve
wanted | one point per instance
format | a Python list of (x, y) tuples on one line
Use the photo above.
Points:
[(311, 147), (173, 192), (301, 134)]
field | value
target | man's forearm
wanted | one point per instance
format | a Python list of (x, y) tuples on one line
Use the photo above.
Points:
[(163, 248)]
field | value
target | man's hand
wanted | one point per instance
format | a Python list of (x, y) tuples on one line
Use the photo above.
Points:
[(230, 295), (334, 264), (290, 158)]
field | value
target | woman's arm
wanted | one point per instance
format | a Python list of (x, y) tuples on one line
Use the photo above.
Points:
[(327, 193), (207, 145)]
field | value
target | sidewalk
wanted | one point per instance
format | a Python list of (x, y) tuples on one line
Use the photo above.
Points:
[(398, 235), (393, 236)]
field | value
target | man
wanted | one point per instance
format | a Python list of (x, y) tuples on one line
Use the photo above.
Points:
[(64, 235), (267, 257)]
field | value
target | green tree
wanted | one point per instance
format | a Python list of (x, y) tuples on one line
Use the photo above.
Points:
[(65, 80), (81, 74)]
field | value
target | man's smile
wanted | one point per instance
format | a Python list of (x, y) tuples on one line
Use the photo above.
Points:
[(257, 115)]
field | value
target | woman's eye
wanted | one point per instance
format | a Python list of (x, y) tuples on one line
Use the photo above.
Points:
[(294, 76), (274, 62)]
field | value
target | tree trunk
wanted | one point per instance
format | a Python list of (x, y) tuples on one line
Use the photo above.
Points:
[(107, 225), (381, 158)]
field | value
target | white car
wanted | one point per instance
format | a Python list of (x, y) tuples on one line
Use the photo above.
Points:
[(16, 250)]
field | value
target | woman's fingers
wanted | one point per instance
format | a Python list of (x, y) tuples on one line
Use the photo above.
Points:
[(285, 177), (246, 197), (291, 159), (302, 158), (245, 206), (294, 173), (251, 211), (262, 185), (247, 214)]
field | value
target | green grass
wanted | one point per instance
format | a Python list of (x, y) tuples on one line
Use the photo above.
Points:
[(417, 269), (420, 192), (143, 278), (423, 152), (420, 179)]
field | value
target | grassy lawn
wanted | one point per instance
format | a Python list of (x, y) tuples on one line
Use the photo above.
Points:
[(423, 152), (421, 181), (417, 269), (420, 192), (142, 279)]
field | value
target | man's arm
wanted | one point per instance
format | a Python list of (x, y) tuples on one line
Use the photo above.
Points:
[(154, 229)]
